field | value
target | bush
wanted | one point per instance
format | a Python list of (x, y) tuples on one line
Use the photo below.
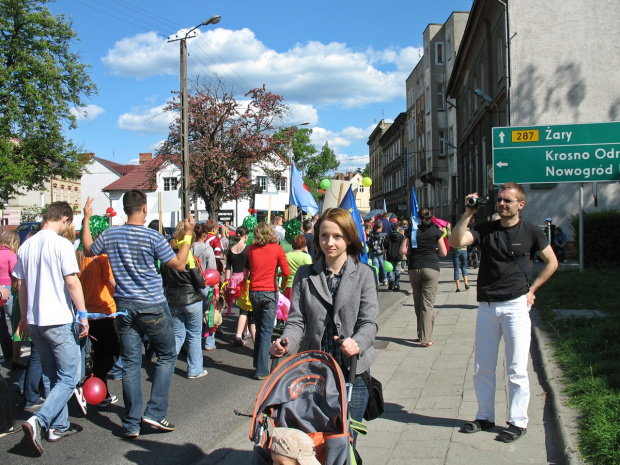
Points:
[(601, 238), (32, 213)]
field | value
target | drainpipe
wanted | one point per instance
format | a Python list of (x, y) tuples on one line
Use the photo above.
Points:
[(507, 72)]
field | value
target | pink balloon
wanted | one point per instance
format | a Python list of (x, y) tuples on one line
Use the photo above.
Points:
[(212, 277), (284, 306), (94, 390)]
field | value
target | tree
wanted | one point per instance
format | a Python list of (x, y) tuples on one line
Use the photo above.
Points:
[(40, 81), (318, 166), (226, 138), (366, 172), (303, 149), (31, 213)]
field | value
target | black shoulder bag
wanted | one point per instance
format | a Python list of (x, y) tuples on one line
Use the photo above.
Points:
[(375, 406), (512, 254)]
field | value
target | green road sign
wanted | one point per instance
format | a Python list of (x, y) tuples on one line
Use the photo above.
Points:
[(557, 153)]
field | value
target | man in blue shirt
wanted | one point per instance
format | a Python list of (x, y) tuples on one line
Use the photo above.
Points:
[(559, 244), (133, 251)]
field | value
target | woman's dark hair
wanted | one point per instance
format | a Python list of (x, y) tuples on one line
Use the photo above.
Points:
[(345, 222), (200, 229), (426, 217), (299, 242)]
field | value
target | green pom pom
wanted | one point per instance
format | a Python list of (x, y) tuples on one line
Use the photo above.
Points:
[(293, 229), (250, 223), (98, 224)]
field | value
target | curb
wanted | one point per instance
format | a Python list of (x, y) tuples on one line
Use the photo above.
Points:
[(552, 372)]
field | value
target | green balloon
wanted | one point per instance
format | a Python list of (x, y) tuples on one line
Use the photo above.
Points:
[(388, 267), (325, 184), (376, 269)]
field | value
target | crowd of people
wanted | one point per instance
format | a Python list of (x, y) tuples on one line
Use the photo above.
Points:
[(127, 287)]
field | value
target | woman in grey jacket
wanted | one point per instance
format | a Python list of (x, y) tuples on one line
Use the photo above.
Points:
[(335, 298)]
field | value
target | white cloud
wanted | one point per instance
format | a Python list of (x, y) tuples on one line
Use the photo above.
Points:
[(309, 74), (147, 120), (341, 139), (88, 113)]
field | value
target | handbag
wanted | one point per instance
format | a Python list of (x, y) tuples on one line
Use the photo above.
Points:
[(375, 406)]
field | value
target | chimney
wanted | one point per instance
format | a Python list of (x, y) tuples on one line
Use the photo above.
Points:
[(144, 157), (349, 175)]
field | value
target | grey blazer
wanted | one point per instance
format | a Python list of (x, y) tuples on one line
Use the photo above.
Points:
[(356, 307)]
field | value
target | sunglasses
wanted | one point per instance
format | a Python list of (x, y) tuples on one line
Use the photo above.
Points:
[(506, 201)]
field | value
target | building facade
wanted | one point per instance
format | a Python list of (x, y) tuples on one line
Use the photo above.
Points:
[(513, 69), (375, 153), (394, 162)]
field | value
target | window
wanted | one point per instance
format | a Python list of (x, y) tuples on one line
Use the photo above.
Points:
[(482, 79), (281, 184), (262, 181), (441, 98), (442, 145), (449, 49), (476, 97), (170, 184), (451, 139), (360, 188), (428, 101), (439, 53)]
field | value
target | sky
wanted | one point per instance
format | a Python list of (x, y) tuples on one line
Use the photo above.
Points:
[(340, 65)]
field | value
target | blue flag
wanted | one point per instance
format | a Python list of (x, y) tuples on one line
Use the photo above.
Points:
[(415, 220), (300, 194), (348, 204), (384, 207)]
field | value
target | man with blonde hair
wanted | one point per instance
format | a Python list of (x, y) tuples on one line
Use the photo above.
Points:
[(505, 297)]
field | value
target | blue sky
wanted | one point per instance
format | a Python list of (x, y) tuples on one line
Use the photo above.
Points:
[(341, 65)]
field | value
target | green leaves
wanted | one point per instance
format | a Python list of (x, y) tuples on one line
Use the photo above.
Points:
[(40, 80)]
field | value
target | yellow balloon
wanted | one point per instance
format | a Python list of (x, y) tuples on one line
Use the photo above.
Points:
[(366, 182)]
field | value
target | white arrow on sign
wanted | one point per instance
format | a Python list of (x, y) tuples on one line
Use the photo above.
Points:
[(501, 137), (501, 164)]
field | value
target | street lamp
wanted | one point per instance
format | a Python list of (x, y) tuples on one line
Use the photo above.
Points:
[(184, 114), (480, 93)]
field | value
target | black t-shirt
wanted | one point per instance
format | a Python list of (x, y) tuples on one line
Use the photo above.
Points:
[(500, 278), (236, 261), (425, 254)]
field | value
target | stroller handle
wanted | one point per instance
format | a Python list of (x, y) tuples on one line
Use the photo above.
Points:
[(276, 360), (353, 364)]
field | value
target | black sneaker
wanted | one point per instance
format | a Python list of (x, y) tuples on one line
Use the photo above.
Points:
[(162, 424), (53, 435), (391, 285), (108, 401), (32, 432), (131, 434), (396, 288)]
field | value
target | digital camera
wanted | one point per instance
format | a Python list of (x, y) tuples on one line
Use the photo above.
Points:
[(475, 202)]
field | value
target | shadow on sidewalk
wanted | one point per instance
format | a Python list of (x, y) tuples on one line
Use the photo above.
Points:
[(396, 412), (399, 341)]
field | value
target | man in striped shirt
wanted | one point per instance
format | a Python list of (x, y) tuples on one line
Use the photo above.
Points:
[(133, 251)]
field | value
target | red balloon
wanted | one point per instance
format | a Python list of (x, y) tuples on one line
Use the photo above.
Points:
[(94, 390), (112, 214), (255, 211), (212, 277), (249, 210), (109, 210)]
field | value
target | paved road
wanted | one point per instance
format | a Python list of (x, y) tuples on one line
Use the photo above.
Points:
[(202, 410)]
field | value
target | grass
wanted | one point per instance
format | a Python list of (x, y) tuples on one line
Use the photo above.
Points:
[(589, 352)]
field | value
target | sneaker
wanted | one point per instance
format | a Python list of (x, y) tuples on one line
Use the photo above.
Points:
[(238, 342), (53, 435), (396, 288), (108, 401), (210, 348), (78, 392), (466, 286), (32, 432), (260, 378), (35, 406), (16, 428), (199, 375), (246, 335), (131, 434), (162, 424), (391, 285)]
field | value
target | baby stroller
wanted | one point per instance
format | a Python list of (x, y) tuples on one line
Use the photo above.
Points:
[(307, 392)]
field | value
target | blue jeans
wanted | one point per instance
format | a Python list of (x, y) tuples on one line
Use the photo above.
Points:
[(264, 305), (359, 399), (59, 349), (155, 321), (188, 325), (459, 260), (377, 260), (394, 275), (30, 380), (6, 328)]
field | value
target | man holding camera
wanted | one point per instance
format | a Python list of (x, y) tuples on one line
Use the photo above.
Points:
[(505, 298)]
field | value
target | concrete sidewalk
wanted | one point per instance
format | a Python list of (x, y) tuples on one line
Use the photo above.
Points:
[(429, 393)]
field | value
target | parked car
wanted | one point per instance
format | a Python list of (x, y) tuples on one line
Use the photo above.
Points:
[(24, 228)]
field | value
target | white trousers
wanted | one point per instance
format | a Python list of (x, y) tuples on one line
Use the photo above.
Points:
[(511, 320)]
